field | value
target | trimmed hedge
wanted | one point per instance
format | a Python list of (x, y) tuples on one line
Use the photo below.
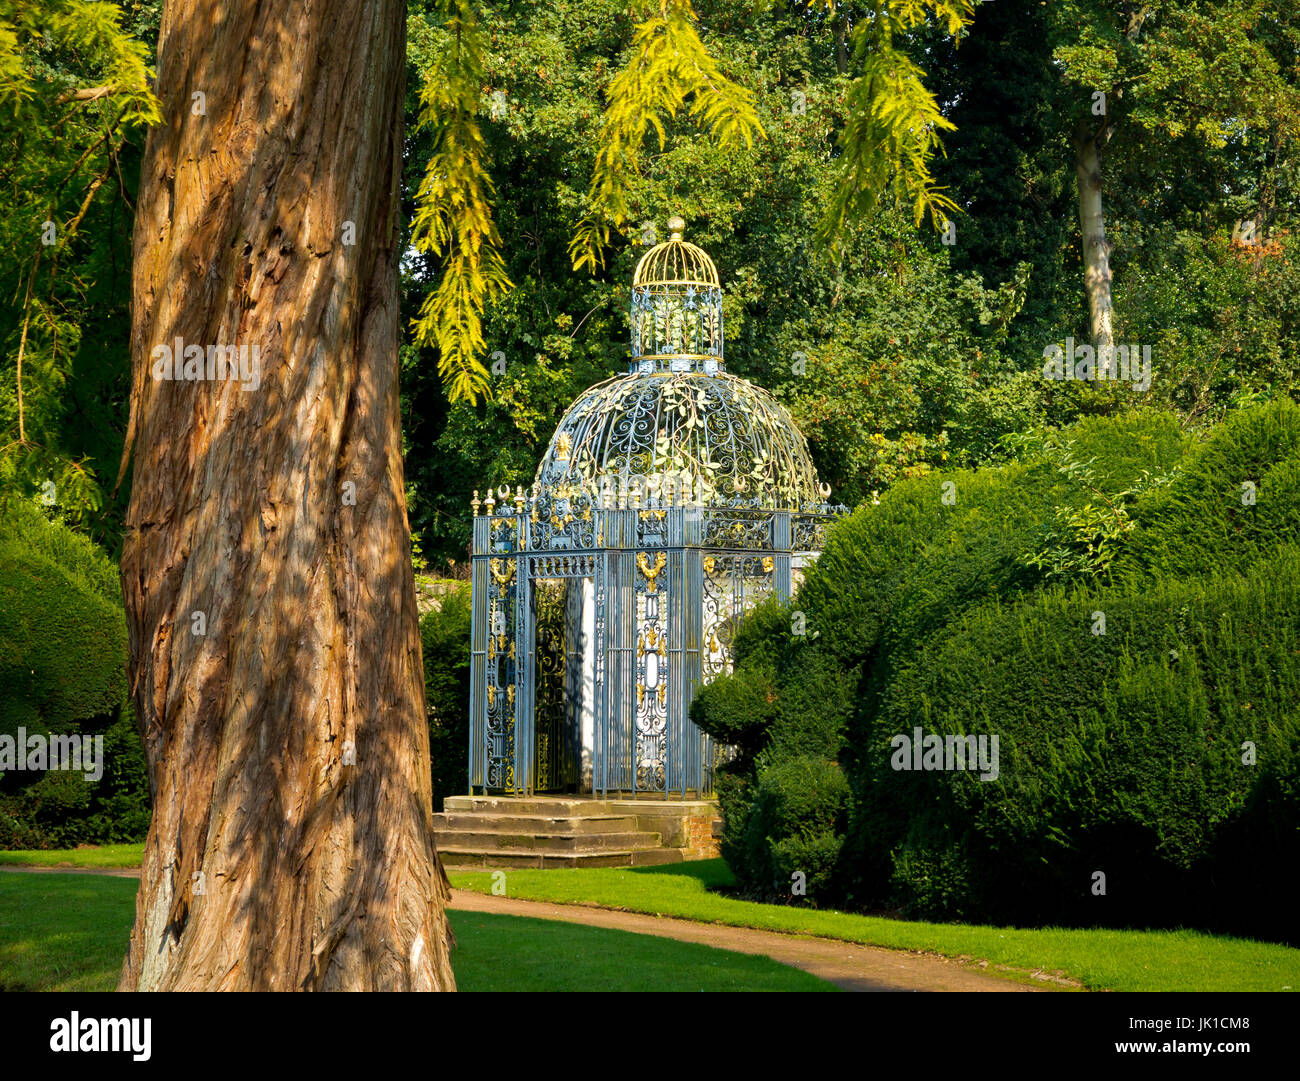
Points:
[(62, 672), (1203, 522), (62, 628), (1119, 752)]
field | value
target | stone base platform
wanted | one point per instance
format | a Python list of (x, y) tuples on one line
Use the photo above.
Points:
[(573, 831)]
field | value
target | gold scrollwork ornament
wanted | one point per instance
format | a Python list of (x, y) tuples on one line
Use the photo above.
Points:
[(651, 570)]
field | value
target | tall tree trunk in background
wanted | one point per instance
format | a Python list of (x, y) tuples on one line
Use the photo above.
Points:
[(842, 44), (275, 650), (1092, 227)]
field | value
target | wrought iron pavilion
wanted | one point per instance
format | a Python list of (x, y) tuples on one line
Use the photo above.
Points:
[(670, 501)]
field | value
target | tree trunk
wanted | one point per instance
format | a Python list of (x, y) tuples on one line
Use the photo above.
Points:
[(275, 650), (1092, 227)]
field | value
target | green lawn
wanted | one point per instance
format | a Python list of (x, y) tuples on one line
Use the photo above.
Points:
[(1099, 959), (69, 932), (101, 856)]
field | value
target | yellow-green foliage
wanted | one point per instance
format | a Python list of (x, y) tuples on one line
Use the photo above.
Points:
[(453, 216), (894, 121), (88, 28), (72, 84), (891, 134), (668, 65)]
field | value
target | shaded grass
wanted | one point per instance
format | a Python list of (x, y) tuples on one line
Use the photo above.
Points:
[(514, 953), (100, 856), (63, 932), (69, 933), (1101, 959)]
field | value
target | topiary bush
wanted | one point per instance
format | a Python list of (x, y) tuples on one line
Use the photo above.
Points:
[(738, 711), (1126, 686), (1119, 752), (794, 826), (63, 672), (1209, 518)]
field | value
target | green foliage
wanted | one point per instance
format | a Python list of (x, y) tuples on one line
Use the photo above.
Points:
[(794, 826), (783, 698), (668, 66), (1235, 501), (453, 219), (904, 361), (889, 126), (89, 31), (1121, 740), (444, 638), (1082, 541), (62, 672), (894, 121), (1182, 169), (738, 711), (74, 93), (1120, 752), (62, 630)]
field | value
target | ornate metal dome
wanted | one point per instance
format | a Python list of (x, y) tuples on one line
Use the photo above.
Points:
[(677, 428)]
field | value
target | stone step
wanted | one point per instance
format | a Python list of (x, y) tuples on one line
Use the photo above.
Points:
[(486, 841), (489, 822), (559, 806), (454, 858)]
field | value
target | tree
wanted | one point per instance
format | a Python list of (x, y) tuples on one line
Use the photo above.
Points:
[(1165, 75), (876, 353), (74, 90), (266, 565), (889, 135)]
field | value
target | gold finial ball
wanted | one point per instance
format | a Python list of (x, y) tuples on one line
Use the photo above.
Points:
[(675, 226)]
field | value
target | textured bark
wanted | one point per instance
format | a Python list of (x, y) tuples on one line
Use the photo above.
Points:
[(1092, 226), (274, 861)]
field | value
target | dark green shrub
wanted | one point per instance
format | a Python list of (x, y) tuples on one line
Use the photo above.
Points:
[(445, 642), (62, 636), (1205, 520), (62, 672), (763, 636), (929, 879), (1119, 752), (735, 792), (795, 823), (817, 694), (738, 710)]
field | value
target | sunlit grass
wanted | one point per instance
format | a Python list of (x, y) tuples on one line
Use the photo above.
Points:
[(99, 856), (1098, 958)]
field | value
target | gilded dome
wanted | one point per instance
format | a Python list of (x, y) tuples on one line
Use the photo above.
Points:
[(676, 427)]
